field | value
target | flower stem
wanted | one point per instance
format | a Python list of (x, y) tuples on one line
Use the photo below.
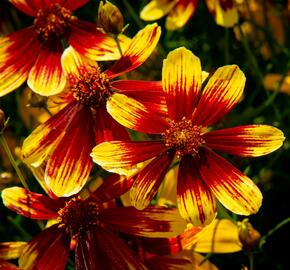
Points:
[(118, 45), (251, 261), (133, 14), (12, 160)]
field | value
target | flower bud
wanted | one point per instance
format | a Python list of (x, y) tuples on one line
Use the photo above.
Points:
[(248, 236), (110, 18)]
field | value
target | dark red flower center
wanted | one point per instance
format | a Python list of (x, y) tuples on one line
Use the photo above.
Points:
[(183, 137), (91, 87), (79, 216), (226, 4), (52, 22)]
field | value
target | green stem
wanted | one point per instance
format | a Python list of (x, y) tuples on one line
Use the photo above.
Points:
[(226, 47), (16, 224), (133, 14), (251, 261), (118, 45), (12, 160)]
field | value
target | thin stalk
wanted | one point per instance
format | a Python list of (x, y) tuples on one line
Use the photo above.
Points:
[(12, 160), (118, 45), (226, 47), (133, 14), (251, 261), (25, 234)]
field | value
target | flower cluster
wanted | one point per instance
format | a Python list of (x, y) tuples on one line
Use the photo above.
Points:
[(113, 135)]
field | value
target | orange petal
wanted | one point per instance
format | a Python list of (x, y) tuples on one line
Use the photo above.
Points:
[(156, 9), (221, 236), (46, 76), (69, 166), (221, 94), (149, 179), (116, 154), (30, 204), (246, 141), (224, 12), (139, 50), (134, 115), (45, 137), (180, 14), (151, 222), (181, 81), (18, 53), (11, 250), (233, 189), (195, 201)]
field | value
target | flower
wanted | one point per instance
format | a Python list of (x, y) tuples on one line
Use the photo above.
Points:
[(94, 224), (180, 11), (203, 175), (66, 140), (35, 52)]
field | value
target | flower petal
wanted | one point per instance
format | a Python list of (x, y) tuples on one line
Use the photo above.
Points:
[(74, 4), (30, 204), (48, 250), (25, 7), (180, 14), (134, 115), (116, 154), (149, 179), (224, 12), (45, 137), (139, 50), (246, 141), (46, 76), (151, 222), (18, 53), (7, 266), (149, 93), (101, 249), (156, 9), (195, 201), (11, 250), (221, 94), (221, 236), (232, 188), (85, 38), (181, 81), (69, 166)]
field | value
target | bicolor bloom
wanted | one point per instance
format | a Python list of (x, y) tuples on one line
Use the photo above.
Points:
[(66, 140), (93, 224), (34, 53), (203, 175), (180, 11)]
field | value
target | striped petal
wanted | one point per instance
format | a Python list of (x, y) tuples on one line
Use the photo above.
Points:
[(221, 94), (151, 222), (180, 14), (156, 9), (30, 204), (11, 250), (90, 42), (224, 12), (246, 141), (46, 76), (181, 81), (149, 179), (195, 201), (69, 166), (25, 6), (48, 250), (232, 188), (149, 93), (45, 137), (117, 154), (139, 50), (18, 53), (134, 115), (221, 236), (101, 249)]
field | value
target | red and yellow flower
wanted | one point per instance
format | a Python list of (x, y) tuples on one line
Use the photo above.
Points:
[(203, 175), (66, 140), (180, 11), (94, 224), (34, 53)]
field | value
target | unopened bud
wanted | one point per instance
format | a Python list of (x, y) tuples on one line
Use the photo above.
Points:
[(2, 120), (248, 236), (110, 18), (36, 101)]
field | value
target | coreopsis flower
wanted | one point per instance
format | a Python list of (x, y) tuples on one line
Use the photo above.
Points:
[(93, 224), (203, 175), (34, 53), (180, 11), (66, 140)]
